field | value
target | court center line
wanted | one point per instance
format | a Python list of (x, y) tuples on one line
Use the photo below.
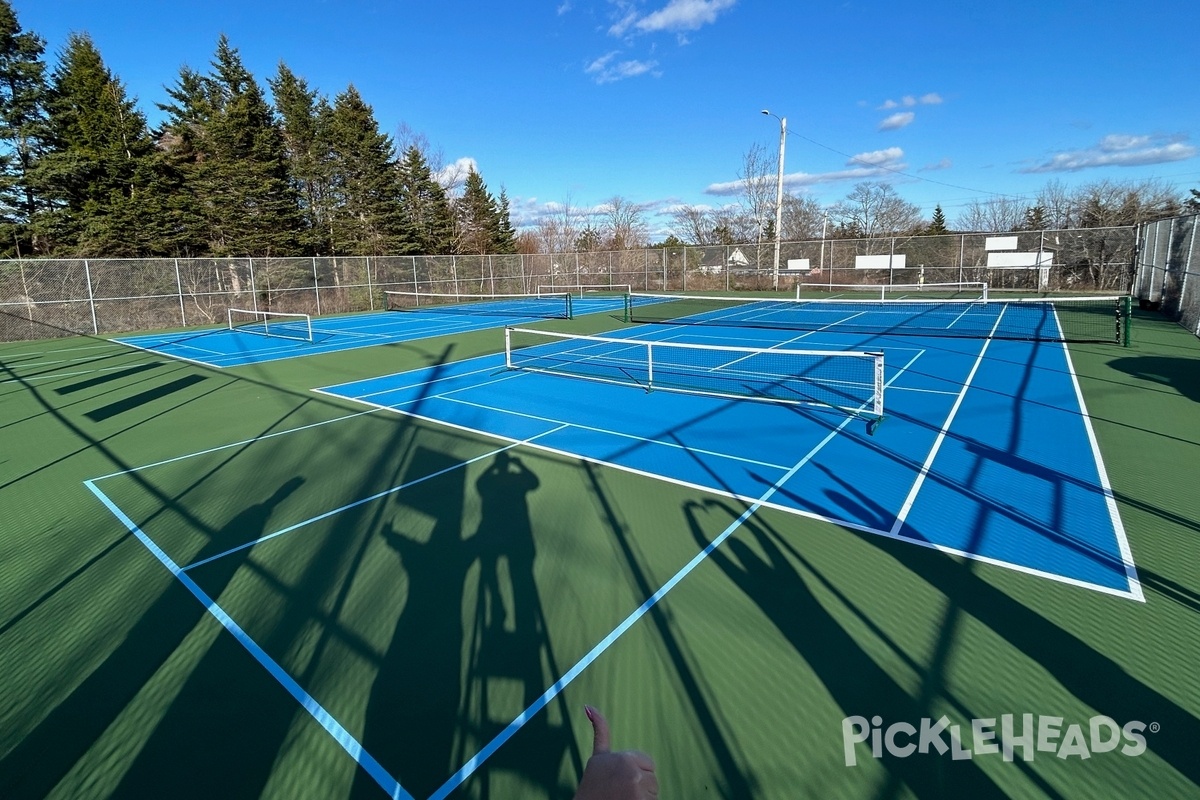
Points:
[(941, 437), (364, 500), (322, 717), (557, 687)]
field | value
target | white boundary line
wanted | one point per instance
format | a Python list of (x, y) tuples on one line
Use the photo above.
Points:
[(557, 687), (365, 500), (1110, 500), (322, 717)]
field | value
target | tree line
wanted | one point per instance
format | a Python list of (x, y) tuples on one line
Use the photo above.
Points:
[(227, 173), (230, 173)]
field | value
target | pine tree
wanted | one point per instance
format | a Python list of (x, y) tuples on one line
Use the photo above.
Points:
[(1035, 218), (424, 202), (99, 170), (506, 238), (229, 155), (937, 225), (366, 218), (22, 132), (305, 121), (477, 217)]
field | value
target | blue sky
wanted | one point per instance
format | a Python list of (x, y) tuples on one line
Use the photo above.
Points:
[(574, 101)]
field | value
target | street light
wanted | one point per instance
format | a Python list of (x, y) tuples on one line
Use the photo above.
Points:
[(778, 196)]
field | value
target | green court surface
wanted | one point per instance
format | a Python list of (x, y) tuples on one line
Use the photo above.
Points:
[(389, 596)]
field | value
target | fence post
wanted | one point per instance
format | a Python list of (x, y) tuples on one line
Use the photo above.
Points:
[(962, 249), (316, 285), (87, 273), (179, 288), (253, 287)]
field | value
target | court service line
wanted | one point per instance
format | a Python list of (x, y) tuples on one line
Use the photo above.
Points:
[(557, 687), (364, 500), (322, 717)]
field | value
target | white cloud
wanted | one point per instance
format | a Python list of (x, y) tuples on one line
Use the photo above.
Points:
[(606, 69), (945, 163), (908, 101), (878, 157), (564, 8), (1119, 150), (864, 166), (897, 121), (453, 175), (684, 15), (676, 16)]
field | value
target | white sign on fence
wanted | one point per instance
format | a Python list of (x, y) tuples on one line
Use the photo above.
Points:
[(894, 261), (1020, 260)]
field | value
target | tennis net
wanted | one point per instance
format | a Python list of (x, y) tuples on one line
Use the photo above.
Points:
[(1072, 319), (848, 381), (271, 323), (545, 305), (955, 290)]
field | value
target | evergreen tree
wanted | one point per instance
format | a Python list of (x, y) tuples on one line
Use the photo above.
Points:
[(424, 202), (228, 153), (99, 170), (477, 217), (1035, 218), (1192, 204), (366, 217), (305, 121), (937, 226), (22, 132), (506, 235)]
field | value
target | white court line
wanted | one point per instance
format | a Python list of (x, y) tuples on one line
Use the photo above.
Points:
[(557, 687), (618, 434), (364, 500), (1110, 500), (56, 375), (322, 717), (241, 443), (1134, 592)]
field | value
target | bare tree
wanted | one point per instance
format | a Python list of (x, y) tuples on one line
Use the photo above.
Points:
[(874, 209), (1107, 203), (803, 218), (758, 177), (1059, 206), (994, 214), (693, 224), (624, 224), (559, 229)]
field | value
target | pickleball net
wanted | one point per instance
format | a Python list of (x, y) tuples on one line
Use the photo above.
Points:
[(545, 305), (851, 382), (1060, 319), (278, 324)]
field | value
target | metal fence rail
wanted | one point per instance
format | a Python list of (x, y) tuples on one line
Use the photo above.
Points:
[(1168, 269), (42, 298)]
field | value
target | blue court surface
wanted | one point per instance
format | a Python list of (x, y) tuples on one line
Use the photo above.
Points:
[(226, 347), (986, 450)]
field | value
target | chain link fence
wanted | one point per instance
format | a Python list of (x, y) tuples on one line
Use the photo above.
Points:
[(43, 298), (1168, 269)]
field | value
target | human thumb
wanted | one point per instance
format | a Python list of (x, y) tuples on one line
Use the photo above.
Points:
[(601, 738)]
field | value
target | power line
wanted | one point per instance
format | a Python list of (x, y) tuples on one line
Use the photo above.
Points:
[(858, 160)]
